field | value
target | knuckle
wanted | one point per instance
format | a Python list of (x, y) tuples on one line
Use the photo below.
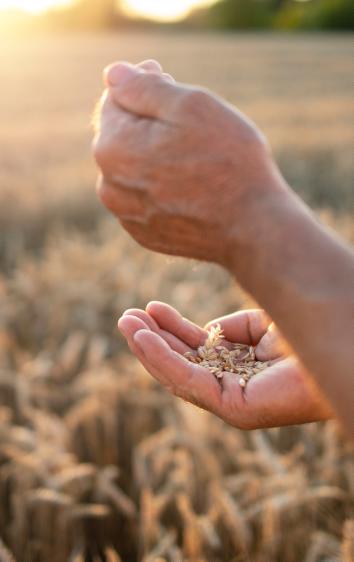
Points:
[(104, 193), (194, 101), (100, 150), (114, 200), (109, 151), (136, 230), (138, 85), (98, 112), (263, 142), (152, 78)]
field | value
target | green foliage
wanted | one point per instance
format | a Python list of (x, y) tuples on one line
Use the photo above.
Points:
[(223, 14), (240, 14), (330, 14), (292, 16), (283, 14)]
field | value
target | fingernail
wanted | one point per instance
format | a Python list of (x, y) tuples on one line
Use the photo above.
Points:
[(119, 74)]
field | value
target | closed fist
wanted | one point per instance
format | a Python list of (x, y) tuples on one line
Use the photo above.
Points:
[(181, 169)]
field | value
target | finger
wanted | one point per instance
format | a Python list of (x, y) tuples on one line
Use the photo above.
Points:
[(111, 121), (245, 326), (171, 320), (105, 111), (151, 65), (271, 346), (96, 118), (139, 229), (175, 343), (181, 378), (125, 203), (141, 93), (155, 67), (128, 326), (139, 313), (168, 77)]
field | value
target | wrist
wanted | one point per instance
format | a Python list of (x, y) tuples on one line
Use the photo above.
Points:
[(255, 220)]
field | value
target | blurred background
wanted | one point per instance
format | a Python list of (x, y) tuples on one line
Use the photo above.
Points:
[(97, 463)]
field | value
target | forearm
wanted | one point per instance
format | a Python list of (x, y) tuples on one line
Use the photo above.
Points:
[(303, 276)]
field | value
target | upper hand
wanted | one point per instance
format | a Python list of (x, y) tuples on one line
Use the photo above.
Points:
[(279, 395), (180, 167)]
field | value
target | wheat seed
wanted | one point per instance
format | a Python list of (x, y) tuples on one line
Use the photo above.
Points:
[(218, 359)]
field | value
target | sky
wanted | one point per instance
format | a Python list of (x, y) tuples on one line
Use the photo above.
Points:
[(163, 10)]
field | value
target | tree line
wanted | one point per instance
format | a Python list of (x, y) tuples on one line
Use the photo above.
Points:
[(223, 14), (278, 14)]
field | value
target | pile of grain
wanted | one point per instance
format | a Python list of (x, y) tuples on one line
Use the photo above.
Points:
[(240, 359)]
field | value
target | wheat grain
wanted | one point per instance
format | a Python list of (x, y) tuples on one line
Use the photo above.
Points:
[(219, 359)]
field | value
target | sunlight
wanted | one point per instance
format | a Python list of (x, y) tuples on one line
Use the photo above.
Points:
[(161, 9), (32, 6)]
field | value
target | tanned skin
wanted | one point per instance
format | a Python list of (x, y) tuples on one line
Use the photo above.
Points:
[(187, 174)]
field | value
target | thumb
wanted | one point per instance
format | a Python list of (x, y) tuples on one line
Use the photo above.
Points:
[(149, 65), (143, 93), (272, 345)]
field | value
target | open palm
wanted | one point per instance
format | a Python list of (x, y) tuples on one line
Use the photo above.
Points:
[(280, 395)]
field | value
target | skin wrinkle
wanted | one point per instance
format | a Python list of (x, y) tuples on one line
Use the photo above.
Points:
[(236, 406), (139, 186), (249, 331), (133, 206), (169, 226)]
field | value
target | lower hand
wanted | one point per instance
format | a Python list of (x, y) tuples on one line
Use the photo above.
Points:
[(280, 395)]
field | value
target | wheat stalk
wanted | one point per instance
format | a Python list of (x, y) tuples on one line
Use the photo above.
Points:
[(5, 554), (348, 541)]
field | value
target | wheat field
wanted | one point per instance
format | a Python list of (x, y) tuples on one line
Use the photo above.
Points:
[(97, 463)]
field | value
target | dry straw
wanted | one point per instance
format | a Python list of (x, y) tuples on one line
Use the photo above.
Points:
[(98, 463)]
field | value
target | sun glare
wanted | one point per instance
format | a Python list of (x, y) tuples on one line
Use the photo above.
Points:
[(33, 6), (163, 10)]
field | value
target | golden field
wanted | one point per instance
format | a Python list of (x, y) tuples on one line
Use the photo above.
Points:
[(97, 463)]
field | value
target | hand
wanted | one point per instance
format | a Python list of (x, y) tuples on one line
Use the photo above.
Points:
[(181, 168), (280, 395)]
